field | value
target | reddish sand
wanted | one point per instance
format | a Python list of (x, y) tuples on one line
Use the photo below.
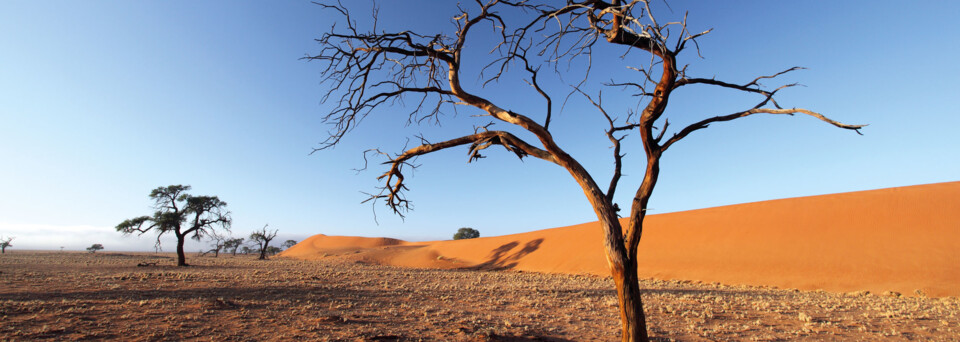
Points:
[(898, 239)]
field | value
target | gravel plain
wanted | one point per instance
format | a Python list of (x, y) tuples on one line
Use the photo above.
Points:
[(71, 296)]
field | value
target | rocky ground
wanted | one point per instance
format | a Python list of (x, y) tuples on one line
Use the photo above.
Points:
[(106, 296)]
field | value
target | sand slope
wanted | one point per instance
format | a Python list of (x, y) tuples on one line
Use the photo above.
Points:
[(898, 239)]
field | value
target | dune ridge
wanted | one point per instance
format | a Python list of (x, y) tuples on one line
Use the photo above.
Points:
[(901, 239)]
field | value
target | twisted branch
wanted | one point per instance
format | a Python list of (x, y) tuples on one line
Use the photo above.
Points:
[(393, 190)]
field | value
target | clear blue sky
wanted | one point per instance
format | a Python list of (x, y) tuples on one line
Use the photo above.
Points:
[(100, 102)]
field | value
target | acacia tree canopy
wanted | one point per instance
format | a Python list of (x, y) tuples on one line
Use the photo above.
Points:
[(233, 244), (466, 233), (182, 214)]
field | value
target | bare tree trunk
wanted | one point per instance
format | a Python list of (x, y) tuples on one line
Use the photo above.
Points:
[(631, 304), (181, 257), (624, 271), (620, 257), (634, 322)]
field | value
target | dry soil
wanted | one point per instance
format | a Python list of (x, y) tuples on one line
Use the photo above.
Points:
[(106, 296)]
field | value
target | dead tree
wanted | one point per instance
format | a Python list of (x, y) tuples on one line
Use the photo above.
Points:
[(218, 242), (262, 238), (370, 69), (5, 243)]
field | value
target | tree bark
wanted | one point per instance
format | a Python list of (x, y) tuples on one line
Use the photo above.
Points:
[(181, 257), (633, 321)]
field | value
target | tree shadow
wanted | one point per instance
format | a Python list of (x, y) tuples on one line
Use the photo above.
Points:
[(499, 338), (720, 292), (232, 293), (501, 259)]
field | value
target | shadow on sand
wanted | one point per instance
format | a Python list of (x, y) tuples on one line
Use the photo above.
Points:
[(502, 259)]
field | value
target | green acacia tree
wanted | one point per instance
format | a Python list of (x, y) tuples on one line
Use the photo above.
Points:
[(182, 214), (233, 244), (466, 233)]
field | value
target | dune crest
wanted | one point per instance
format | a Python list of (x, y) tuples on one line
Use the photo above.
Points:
[(900, 239)]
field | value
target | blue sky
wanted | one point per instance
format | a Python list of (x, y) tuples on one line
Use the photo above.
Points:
[(100, 102)]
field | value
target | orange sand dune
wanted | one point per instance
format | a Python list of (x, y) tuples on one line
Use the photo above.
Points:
[(897, 239), (328, 244)]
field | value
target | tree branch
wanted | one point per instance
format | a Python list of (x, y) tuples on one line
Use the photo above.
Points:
[(412, 63), (533, 82), (789, 111), (393, 189), (617, 157), (751, 87)]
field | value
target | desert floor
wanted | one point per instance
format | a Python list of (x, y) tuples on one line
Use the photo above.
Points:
[(106, 296)]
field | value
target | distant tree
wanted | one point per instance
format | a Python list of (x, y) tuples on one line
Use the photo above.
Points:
[(5, 242), (273, 250), (94, 248), (175, 208), (288, 244), (232, 245), (245, 250), (262, 239), (466, 233), (217, 243)]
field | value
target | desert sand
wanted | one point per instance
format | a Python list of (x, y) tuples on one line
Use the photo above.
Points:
[(904, 240)]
